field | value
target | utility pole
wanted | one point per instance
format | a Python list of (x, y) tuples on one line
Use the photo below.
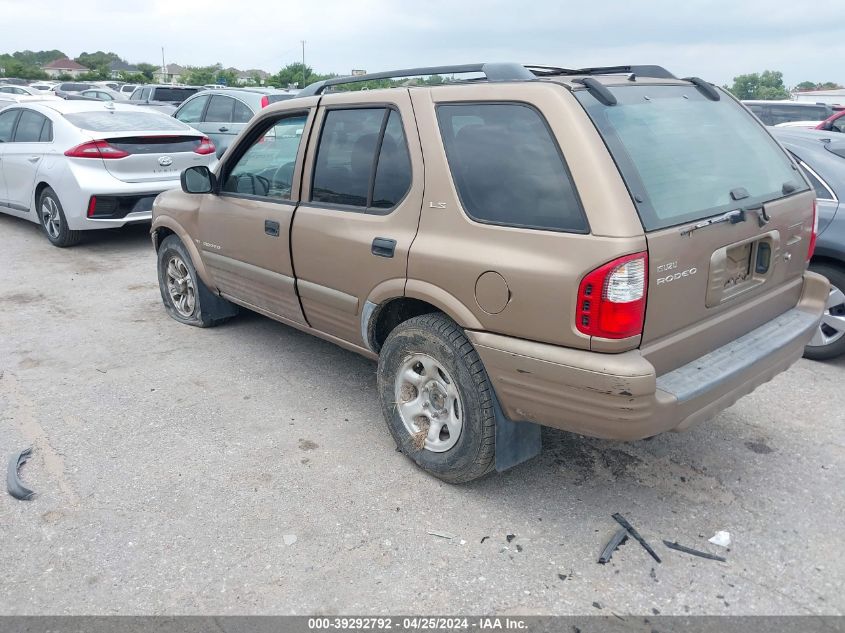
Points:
[(163, 67), (303, 63)]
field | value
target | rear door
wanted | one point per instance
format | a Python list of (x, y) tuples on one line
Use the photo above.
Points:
[(727, 215), (24, 156), (361, 207), (245, 228), (8, 119), (219, 120)]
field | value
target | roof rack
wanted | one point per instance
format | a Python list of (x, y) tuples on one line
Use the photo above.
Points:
[(642, 70), (493, 72)]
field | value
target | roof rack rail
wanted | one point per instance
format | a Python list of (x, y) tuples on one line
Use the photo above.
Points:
[(493, 72), (643, 70)]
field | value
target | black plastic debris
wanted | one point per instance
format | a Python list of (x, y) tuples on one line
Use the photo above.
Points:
[(624, 523), (615, 541), (484, 538), (688, 550), (13, 483), (510, 537)]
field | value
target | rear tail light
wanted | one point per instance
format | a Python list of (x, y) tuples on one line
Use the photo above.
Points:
[(205, 146), (265, 101), (812, 247), (611, 299), (96, 149)]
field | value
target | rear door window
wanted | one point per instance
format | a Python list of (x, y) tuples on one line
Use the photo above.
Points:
[(219, 110), (681, 154), (507, 168), (393, 173), (29, 127), (241, 114)]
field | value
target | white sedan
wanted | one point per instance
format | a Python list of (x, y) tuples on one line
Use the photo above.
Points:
[(74, 166)]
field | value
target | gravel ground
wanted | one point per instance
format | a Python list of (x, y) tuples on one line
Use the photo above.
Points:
[(246, 469)]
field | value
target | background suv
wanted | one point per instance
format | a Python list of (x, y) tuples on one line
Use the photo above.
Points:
[(222, 113), (778, 112)]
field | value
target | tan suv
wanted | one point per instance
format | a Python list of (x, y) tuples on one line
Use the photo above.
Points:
[(610, 251)]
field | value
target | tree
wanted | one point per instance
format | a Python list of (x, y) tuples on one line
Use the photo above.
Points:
[(811, 85), (765, 85), (147, 70), (202, 75), (293, 74), (99, 62)]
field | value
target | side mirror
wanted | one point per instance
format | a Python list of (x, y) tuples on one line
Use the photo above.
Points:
[(197, 179)]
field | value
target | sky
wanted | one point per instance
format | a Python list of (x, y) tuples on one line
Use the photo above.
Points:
[(716, 40)]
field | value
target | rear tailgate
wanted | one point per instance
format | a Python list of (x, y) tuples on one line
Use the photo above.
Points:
[(727, 215)]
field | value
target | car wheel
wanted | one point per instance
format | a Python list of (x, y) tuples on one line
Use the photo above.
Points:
[(186, 298), (437, 400), (53, 221), (829, 340)]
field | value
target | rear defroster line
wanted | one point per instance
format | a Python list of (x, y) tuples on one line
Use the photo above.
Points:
[(13, 482)]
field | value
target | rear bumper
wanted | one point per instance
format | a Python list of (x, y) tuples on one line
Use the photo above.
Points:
[(620, 396)]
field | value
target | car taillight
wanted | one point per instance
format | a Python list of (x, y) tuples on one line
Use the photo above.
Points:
[(611, 299), (96, 149), (205, 146), (812, 247), (265, 101)]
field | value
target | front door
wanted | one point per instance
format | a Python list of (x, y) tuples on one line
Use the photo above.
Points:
[(363, 186), (245, 226)]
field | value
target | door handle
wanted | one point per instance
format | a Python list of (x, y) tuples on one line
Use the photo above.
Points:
[(223, 129), (271, 228), (34, 159), (383, 247)]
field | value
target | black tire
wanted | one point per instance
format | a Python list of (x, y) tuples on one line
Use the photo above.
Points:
[(438, 337), (53, 222), (836, 276), (206, 309)]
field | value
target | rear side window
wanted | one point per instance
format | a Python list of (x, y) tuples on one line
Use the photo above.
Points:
[(7, 124), (789, 113), (174, 95), (507, 168), (681, 154), (347, 168), (822, 192), (29, 127), (241, 114)]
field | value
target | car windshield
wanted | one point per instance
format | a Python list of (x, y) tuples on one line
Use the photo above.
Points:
[(682, 154), (123, 121)]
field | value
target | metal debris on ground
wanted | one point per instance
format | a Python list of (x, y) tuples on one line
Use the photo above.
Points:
[(688, 550), (441, 534), (721, 538), (13, 483), (615, 541), (636, 535)]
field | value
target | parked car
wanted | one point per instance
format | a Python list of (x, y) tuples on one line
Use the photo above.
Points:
[(74, 166), (127, 89), (69, 88), (821, 158), (18, 90), (223, 113), (540, 247), (834, 123), (165, 98), (103, 94), (42, 87), (775, 112)]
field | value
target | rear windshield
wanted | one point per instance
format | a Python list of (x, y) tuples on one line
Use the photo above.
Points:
[(174, 95), (682, 155), (124, 121)]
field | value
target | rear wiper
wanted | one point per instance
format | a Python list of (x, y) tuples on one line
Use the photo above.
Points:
[(734, 217)]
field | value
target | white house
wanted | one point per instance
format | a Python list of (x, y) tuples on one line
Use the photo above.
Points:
[(64, 67)]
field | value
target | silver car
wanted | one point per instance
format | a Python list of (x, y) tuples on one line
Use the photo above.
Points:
[(74, 166)]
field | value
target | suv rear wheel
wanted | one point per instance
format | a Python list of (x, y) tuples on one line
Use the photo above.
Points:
[(186, 298), (829, 340), (437, 400)]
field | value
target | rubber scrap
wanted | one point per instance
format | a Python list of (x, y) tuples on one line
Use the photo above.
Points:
[(445, 535), (694, 552), (13, 483), (624, 523), (615, 541)]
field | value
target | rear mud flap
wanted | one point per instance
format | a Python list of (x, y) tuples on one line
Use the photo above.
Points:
[(516, 442)]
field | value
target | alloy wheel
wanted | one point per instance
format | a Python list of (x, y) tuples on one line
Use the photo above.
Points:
[(51, 217), (832, 326), (180, 287)]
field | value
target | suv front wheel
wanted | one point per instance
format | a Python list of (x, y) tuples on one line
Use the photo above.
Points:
[(437, 400), (186, 298)]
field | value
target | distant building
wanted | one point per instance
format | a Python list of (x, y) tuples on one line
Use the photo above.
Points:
[(117, 69), (252, 77), (64, 67), (830, 97), (172, 74)]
